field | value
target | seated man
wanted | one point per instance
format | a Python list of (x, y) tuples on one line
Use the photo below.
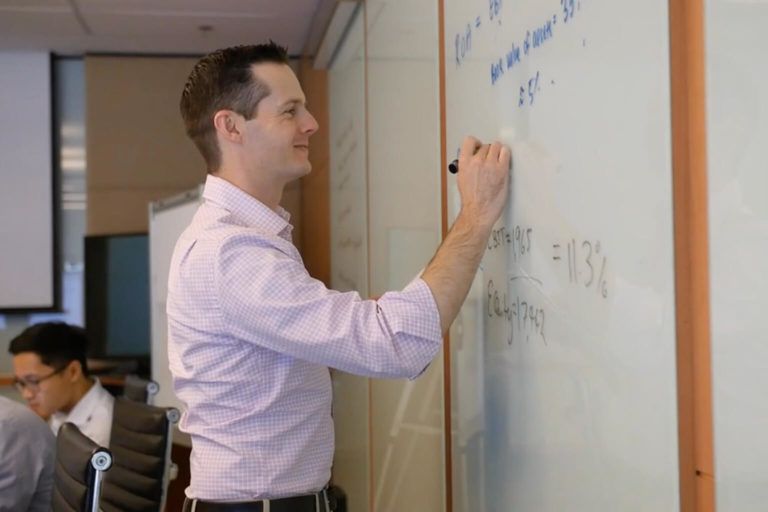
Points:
[(52, 376), (27, 457)]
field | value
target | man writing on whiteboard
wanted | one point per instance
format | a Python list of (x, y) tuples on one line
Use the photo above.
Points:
[(251, 334)]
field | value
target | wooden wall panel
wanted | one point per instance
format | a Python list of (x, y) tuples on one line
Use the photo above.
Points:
[(135, 142), (689, 161), (315, 191)]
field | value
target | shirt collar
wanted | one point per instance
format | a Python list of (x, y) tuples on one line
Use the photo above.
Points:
[(247, 208), (83, 410)]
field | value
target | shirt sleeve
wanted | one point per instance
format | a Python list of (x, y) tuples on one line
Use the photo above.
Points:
[(268, 298), (26, 464)]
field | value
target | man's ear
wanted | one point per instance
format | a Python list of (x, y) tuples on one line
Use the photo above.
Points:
[(229, 125), (74, 370)]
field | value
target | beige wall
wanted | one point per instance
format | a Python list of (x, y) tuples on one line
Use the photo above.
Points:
[(135, 142)]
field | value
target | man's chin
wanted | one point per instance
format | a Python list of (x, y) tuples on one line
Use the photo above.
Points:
[(301, 170), (40, 412)]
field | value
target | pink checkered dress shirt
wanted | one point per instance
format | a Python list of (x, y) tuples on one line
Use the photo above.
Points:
[(250, 338)]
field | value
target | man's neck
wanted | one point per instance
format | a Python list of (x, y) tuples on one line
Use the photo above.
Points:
[(269, 194), (79, 391)]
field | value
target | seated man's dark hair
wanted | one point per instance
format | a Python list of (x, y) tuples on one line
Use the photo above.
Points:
[(224, 80), (56, 343)]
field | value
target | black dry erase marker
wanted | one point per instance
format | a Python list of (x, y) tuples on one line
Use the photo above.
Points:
[(454, 166)]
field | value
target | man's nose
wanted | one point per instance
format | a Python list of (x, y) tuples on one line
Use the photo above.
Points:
[(310, 125)]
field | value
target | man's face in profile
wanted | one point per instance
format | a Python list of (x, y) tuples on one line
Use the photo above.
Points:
[(45, 388), (277, 137)]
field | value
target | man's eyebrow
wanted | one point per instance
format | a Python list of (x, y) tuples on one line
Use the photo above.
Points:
[(293, 101)]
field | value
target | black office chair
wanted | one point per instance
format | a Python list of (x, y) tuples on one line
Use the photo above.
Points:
[(141, 447), (140, 390), (80, 466)]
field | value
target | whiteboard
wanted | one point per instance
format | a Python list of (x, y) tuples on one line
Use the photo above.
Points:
[(563, 358), (27, 261), (167, 219), (737, 131)]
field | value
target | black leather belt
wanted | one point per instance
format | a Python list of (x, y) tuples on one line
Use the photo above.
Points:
[(306, 503)]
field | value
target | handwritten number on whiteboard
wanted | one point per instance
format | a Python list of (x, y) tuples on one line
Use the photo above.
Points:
[(463, 44), (494, 8), (569, 6), (588, 246)]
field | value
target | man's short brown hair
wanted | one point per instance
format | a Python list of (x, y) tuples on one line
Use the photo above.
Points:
[(224, 80)]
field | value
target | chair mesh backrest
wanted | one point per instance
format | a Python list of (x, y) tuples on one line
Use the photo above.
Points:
[(140, 445), (75, 479), (139, 390)]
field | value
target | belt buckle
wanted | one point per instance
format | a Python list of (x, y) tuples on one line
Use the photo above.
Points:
[(321, 497), (330, 500)]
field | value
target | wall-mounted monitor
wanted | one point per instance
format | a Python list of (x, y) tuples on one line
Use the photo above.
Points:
[(117, 295)]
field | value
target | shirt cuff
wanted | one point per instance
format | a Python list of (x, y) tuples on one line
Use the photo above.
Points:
[(413, 312)]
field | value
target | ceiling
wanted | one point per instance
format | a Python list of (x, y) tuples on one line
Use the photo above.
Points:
[(75, 27)]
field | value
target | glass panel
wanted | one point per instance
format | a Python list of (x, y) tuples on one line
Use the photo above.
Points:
[(349, 270), (737, 131), (405, 229)]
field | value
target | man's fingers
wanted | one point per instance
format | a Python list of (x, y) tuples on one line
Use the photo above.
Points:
[(482, 152), (493, 151), (505, 155), (468, 146)]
